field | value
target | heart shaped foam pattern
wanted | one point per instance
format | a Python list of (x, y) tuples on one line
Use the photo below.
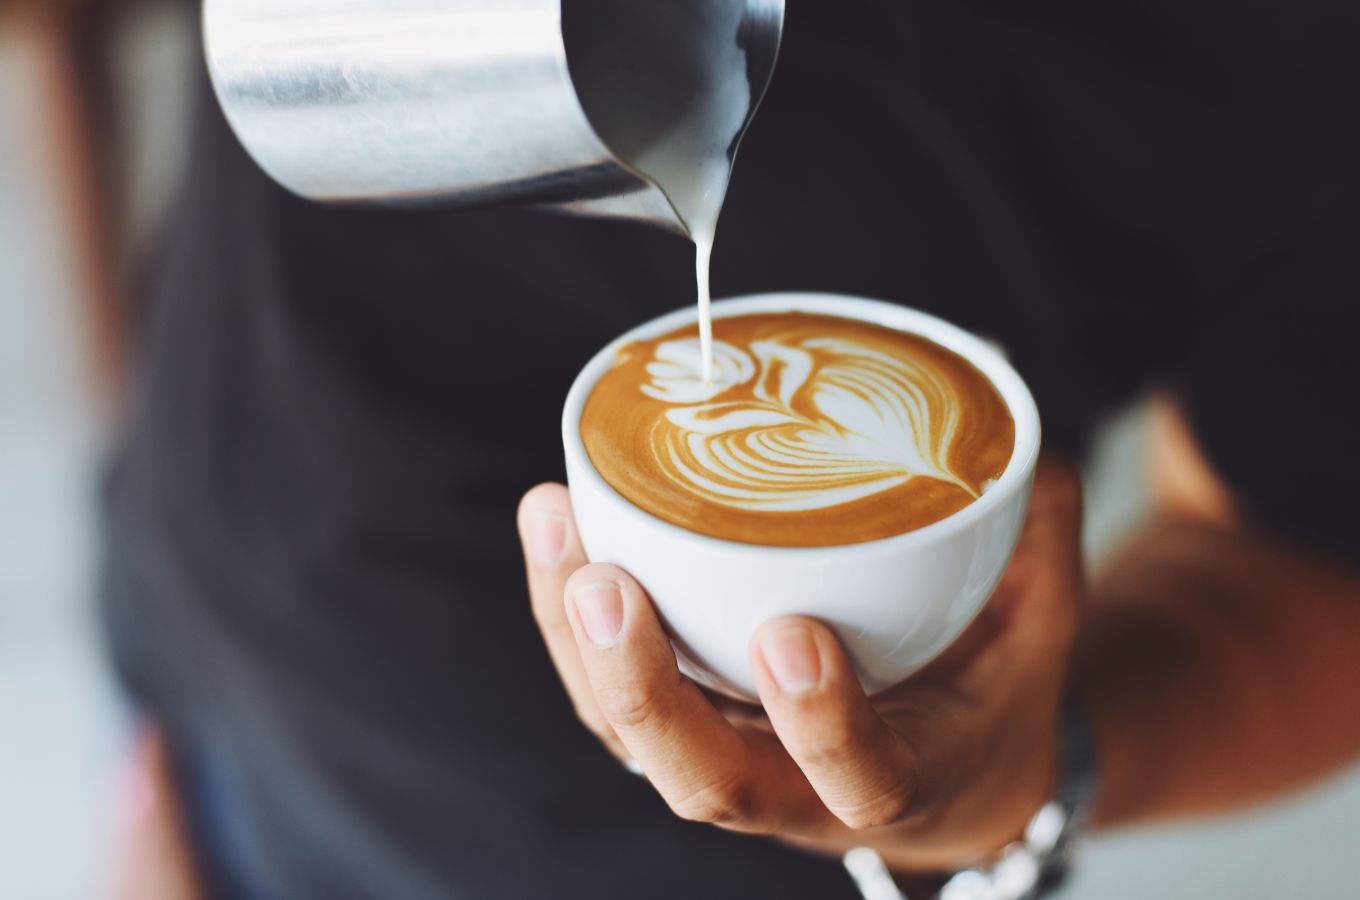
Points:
[(808, 422)]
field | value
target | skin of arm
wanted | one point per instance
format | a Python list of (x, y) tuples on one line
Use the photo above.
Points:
[(1219, 668), (66, 43), (152, 858)]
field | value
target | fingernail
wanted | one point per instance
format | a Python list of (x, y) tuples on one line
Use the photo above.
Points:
[(792, 658), (600, 608), (545, 536)]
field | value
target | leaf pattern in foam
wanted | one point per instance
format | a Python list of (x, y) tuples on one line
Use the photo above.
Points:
[(878, 421)]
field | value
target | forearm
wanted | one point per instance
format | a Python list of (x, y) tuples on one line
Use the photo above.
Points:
[(1218, 670), (74, 140)]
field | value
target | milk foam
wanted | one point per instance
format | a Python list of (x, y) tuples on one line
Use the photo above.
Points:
[(813, 430), (826, 422)]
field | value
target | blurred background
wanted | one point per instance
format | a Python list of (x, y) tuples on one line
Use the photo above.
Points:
[(63, 733)]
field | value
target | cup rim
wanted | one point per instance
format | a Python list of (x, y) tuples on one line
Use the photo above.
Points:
[(987, 358)]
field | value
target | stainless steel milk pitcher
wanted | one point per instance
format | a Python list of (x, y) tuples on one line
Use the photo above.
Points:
[(475, 101)]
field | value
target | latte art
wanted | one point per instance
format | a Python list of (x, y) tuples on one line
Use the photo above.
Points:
[(812, 430), (828, 422)]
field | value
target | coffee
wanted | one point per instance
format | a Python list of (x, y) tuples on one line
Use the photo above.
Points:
[(813, 430)]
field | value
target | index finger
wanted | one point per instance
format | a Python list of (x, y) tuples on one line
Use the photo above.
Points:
[(703, 766), (552, 551), (861, 769)]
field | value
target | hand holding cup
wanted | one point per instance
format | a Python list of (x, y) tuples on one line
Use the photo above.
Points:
[(933, 773)]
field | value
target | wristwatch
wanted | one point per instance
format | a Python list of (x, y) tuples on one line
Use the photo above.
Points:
[(1040, 861), (1036, 864)]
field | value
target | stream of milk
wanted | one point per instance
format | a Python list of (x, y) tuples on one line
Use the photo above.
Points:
[(666, 86)]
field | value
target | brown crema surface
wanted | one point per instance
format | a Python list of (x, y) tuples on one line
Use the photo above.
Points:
[(816, 430)]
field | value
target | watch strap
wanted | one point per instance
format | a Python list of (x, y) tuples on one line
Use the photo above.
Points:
[(1041, 860)]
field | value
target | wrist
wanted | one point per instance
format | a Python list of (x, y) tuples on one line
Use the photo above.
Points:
[(1040, 860)]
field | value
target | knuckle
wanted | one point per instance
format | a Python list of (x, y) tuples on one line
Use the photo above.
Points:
[(724, 803), (884, 808), (631, 705), (834, 746)]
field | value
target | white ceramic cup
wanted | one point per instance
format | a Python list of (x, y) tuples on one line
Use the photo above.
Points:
[(895, 603)]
